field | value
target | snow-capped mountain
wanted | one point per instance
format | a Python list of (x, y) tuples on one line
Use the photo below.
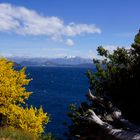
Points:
[(65, 61)]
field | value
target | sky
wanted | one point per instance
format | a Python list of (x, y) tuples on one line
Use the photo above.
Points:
[(59, 28)]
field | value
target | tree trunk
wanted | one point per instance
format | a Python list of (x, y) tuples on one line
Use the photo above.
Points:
[(131, 131)]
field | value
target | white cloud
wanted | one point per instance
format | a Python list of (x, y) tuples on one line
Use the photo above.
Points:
[(69, 42), (23, 21), (92, 54), (111, 48), (78, 29)]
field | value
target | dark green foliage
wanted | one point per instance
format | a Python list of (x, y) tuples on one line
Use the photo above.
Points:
[(117, 78)]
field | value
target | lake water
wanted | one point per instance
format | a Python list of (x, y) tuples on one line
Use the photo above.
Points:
[(55, 88)]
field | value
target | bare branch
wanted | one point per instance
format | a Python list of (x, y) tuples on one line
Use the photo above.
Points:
[(116, 113), (117, 133)]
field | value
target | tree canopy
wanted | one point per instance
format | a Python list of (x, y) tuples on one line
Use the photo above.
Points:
[(113, 93)]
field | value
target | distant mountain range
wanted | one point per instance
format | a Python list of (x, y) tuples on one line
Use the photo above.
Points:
[(53, 62)]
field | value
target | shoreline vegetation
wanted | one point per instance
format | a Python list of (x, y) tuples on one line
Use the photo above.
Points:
[(15, 134), (112, 106), (14, 111), (18, 134)]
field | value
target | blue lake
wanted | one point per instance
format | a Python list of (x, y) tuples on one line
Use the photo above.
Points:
[(55, 88)]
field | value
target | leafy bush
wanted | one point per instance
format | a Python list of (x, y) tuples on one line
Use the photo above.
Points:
[(13, 96)]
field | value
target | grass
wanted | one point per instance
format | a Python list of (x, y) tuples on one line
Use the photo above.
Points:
[(14, 134)]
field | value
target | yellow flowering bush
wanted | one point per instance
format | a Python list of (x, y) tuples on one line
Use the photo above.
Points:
[(13, 95)]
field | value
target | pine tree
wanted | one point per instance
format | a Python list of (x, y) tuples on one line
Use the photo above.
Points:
[(113, 96)]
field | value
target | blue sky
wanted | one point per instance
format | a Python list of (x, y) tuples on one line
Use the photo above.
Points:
[(58, 28)]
